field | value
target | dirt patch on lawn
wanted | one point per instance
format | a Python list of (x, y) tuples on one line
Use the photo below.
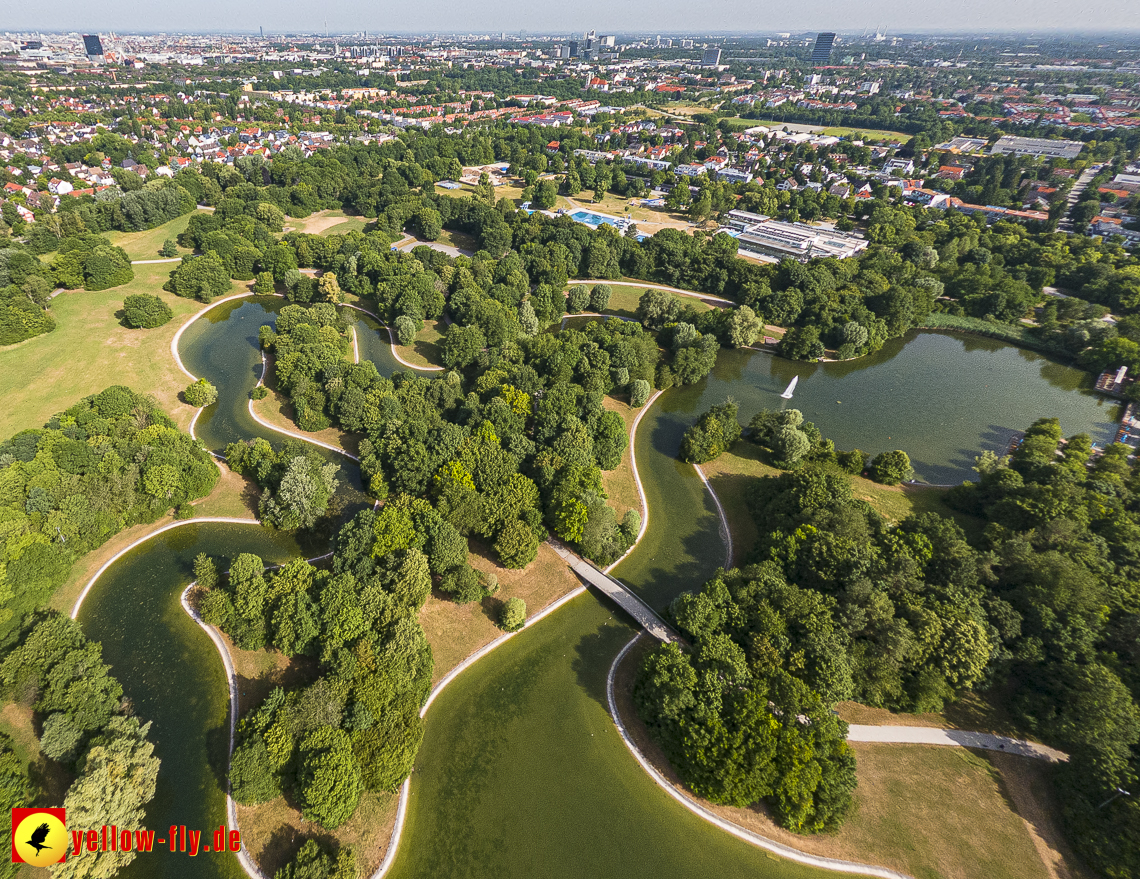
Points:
[(274, 831), (455, 631)]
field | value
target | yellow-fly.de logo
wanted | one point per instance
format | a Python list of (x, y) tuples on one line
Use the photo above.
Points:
[(39, 836)]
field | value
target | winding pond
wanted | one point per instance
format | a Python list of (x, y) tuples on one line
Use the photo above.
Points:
[(521, 772)]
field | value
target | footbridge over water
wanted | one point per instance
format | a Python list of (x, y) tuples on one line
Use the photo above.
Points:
[(641, 612)]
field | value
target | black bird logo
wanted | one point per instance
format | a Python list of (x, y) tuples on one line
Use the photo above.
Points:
[(38, 837)]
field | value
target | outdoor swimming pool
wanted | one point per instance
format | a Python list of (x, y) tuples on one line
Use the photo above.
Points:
[(595, 220)]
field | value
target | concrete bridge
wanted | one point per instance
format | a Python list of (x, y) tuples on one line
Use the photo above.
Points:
[(641, 612)]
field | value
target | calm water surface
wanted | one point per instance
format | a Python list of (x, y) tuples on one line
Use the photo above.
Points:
[(521, 772)]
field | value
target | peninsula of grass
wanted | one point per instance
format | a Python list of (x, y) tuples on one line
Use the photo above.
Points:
[(619, 483), (426, 349), (929, 811), (48, 373)]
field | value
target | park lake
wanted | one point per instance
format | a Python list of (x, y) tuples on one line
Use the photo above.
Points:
[(521, 772)]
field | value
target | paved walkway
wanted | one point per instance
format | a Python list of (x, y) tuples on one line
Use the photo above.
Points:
[(642, 613), (960, 738), (149, 262)]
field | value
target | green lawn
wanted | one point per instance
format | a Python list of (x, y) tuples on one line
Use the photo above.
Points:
[(425, 350), (89, 350), (145, 245), (623, 302)]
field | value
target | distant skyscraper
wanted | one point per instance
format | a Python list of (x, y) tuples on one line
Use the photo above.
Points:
[(92, 45), (710, 57), (821, 54)]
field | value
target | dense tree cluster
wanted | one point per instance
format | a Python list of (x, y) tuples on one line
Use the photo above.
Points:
[(90, 261), (1061, 569), (713, 433), (297, 482), (512, 445), (151, 204), (110, 461), (745, 714), (356, 726), (87, 726), (143, 311), (25, 295)]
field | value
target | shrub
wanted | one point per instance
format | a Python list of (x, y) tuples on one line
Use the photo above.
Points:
[(264, 283), (853, 462), (405, 330), (465, 584), (107, 267), (184, 511), (578, 299), (199, 277), (891, 468), (169, 248), (252, 774), (512, 616), (714, 433), (517, 544), (259, 393), (200, 393), (639, 393), (600, 297), (143, 311), (21, 319)]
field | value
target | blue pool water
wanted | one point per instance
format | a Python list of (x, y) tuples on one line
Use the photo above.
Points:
[(591, 219)]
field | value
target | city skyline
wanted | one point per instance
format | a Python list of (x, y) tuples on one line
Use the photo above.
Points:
[(672, 16)]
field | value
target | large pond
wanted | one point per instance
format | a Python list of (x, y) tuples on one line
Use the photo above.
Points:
[(939, 397), (521, 772)]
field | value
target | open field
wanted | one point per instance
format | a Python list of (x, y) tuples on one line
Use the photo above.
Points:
[(145, 245), (933, 812), (619, 483), (734, 471), (867, 134), (623, 302), (455, 631), (91, 349), (425, 350), (324, 223)]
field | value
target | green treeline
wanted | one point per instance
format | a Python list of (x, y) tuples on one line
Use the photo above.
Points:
[(111, 461), (87, 730), (1040, 611), (355, 726)]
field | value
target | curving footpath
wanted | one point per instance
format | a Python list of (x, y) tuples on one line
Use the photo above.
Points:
[(786, 851), (391, 339)]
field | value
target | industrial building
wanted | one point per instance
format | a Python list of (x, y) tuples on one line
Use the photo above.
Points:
[(1037, 146), (771, 240)]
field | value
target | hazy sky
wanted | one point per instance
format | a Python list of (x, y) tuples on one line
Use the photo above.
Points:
[(604, 16)]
